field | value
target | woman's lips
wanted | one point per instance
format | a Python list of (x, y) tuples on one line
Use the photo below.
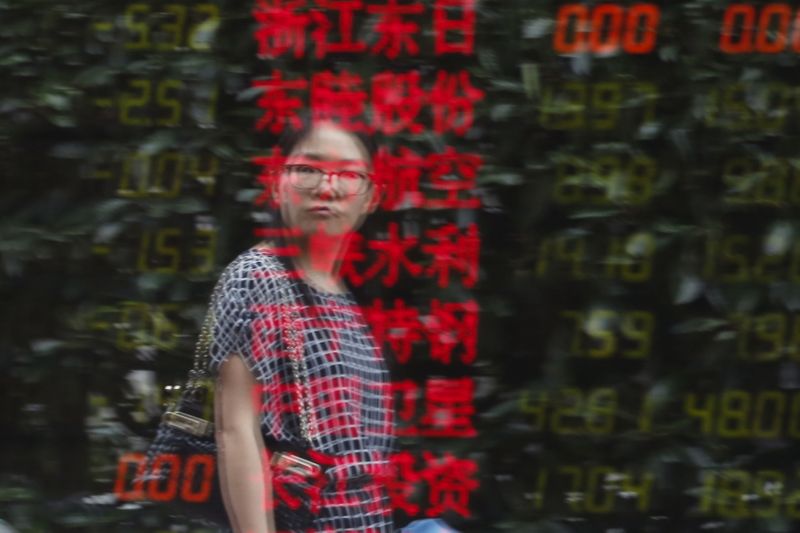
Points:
[(322, 211)]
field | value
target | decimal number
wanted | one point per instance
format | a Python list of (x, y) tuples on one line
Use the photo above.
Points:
[(739, 414), (599, 106), (729, 259), (735, 493), (573, 411), (628, 258), (751, 107), (611, 27), (607, 333), (605, 179), (163, 175), (166, 250), (597, 489), (773, 29), (771, 181), (138, 324), (171, 27), (767, 336), (162, 103)]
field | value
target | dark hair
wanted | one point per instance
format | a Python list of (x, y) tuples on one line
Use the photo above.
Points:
[(291, 137)]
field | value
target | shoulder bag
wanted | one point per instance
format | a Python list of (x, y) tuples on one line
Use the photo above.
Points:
[(186, 437)]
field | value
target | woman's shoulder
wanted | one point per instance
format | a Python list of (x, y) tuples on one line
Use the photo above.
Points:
[(255, 269), (259, 259)]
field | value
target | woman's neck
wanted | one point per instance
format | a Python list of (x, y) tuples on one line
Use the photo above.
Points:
[(319, 258)]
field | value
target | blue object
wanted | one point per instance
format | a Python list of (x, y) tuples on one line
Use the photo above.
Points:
[(430, 525)]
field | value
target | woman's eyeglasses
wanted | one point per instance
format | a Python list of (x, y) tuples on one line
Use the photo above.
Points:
[(308, 177)]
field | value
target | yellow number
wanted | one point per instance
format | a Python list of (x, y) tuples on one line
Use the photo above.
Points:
[(733, 485), (742, 324), (164, 329), (794, 345), (793, 430), (133, 321), (206, 175), (135, 166), (541, 488), (650, 95), (201, 34), (794, 192), (734, 410), (173, 104), (638, 326), (127, 103), (602, 408), (739, 260), (708, 492), (734, 103), (793, 502), (642, 247), (704, 413), (643, 489), (600, 328), (205, 252), (773, 117), (607, 178), (137, 28), (174, 29), (598, 476), (768, 488), (778, 410), (573, 254), (569, 180), (770, 328), (168, 161), (537, 408), (771, 188), (568, 404), (569, 107), (606, 100), (162, 248), (737, 174), (640, 176), (575, 495)]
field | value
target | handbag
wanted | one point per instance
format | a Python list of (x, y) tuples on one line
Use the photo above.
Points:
[(185, 436)]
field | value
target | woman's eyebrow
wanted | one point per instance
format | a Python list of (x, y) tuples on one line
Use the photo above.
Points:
[(319, 157)]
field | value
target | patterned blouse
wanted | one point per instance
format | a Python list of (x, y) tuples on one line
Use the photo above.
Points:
[(348, 386)]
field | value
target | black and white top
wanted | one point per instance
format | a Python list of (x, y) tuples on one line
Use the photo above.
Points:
[(347, 379)]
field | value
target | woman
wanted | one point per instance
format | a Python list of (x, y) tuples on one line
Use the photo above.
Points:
[(324, 192)]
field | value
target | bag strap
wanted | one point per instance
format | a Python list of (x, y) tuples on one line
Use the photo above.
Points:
[(292, 329)]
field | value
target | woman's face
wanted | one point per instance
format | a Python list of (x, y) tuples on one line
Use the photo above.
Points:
[(328, 208)]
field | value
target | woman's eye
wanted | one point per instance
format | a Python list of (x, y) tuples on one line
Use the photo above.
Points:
[(350, 175), (305, 169)]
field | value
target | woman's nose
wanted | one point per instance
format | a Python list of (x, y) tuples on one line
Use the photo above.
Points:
[(326, 186)]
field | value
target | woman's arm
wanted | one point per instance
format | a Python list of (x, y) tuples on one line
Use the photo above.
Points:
[(243, 465)]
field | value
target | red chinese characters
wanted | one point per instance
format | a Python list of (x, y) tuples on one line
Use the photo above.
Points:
[(396, 32), (445, 410), (449, 481), (340, 98), (280, 108), (282, 26), (449, 177), (396, 101), (446, 249), (447, 327)]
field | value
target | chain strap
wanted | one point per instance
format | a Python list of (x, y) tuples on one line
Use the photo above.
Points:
[(202, 349), (295, 342)]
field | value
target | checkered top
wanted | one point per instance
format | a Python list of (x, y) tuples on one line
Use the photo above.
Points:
[(347, 379)]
